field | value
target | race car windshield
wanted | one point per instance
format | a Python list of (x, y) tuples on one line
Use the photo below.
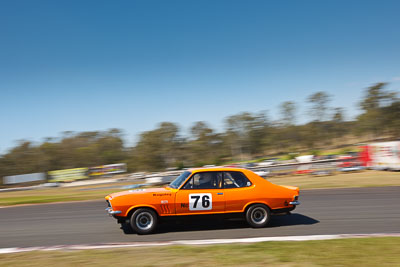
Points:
[(179, 180)]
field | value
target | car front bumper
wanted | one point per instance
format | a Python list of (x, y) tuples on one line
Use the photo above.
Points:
[(112, 212)]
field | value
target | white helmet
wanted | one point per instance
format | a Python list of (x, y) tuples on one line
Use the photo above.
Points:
[(205, 178)]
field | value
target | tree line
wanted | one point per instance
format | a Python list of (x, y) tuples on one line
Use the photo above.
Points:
[(246, 135)]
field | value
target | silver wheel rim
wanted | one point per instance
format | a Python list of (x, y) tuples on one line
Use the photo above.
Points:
[(259, 215), (144, 220)]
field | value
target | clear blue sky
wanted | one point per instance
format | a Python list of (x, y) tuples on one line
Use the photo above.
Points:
[(94, 65)]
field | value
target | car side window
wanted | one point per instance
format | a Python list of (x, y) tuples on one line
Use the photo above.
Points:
[(204, 180), (235, 180)]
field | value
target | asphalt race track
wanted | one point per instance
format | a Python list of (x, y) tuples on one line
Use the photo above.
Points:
[(328, 211)]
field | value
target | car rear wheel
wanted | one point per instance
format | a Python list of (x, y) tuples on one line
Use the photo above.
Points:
[(143, 221), (258, 215)]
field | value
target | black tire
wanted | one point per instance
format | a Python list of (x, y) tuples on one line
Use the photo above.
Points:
[(258, 215), (144, 221), (126, 228)]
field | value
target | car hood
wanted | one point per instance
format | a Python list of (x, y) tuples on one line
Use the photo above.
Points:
[(139, 192)]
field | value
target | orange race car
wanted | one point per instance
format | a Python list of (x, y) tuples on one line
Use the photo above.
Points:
[(206, 191)]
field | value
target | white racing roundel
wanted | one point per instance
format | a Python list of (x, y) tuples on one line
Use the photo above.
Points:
[(200, 201)]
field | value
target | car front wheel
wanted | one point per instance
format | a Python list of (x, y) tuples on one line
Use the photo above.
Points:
[(143, 221), (258, 215)]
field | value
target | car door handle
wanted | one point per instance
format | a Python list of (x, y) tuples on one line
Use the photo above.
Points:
[(220, 193)]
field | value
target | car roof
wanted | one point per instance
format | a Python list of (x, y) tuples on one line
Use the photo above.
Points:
[(215, 169)]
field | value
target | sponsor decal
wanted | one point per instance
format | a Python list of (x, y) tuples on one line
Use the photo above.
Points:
[(162, 195), (137, 190), (68, 175), (107, 169)]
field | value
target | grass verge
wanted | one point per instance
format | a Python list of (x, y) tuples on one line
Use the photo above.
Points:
[(340, 252), (367, 178)]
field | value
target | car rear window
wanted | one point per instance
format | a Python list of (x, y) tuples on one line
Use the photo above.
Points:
[(235, 180)]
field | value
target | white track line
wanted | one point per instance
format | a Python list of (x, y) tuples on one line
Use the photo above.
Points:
[(193, 242)]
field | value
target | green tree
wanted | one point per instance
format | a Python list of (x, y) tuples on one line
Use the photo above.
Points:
[(288, 112), (205, 146), (109, 146), (147, 152), (319, 127), (319, 102), (287, 133), (159, 148), (338, 115), (376, 98), (392, 118), (245, 133), (24, 158)]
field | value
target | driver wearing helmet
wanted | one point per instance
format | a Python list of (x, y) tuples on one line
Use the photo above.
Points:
[(205, 181)]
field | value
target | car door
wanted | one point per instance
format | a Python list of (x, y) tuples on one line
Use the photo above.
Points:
[(238, 191), (201, 194)]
